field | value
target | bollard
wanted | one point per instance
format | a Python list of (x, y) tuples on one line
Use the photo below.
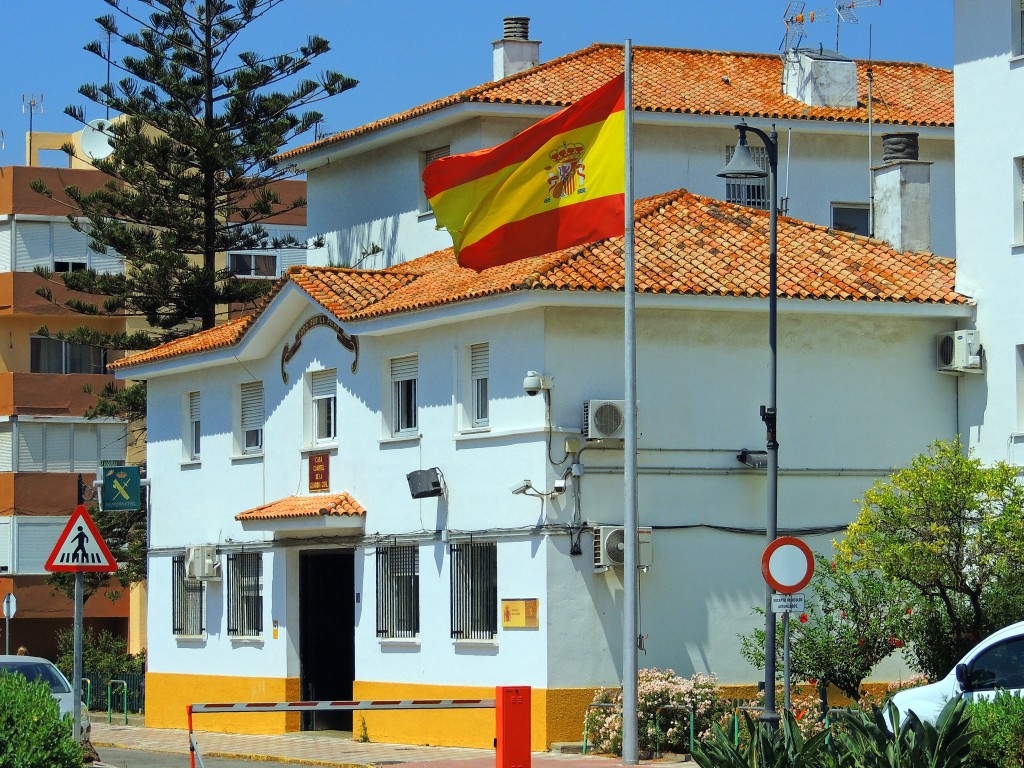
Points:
[(512, 741)]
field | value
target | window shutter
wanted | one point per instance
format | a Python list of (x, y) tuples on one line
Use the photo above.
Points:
[(86, 457), (479, 361), (69, 244), (34, 542), (252, 405), (113, 443), (30, 447), (5, 545), (404, 368), (433, 154), (193, 406), (6, 448), (324, 383), (32, 246), (58, 447)]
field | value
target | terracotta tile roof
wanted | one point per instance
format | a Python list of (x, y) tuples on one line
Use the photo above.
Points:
[(698, 82), (684, 244), (221, 336), (305, 506)]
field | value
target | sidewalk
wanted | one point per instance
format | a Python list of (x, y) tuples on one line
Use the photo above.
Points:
[(319, 749)]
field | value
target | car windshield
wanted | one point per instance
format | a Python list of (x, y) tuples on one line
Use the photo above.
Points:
[(37, 670)]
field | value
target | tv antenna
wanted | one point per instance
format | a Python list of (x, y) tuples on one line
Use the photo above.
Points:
[(29, 105), (796, 17)]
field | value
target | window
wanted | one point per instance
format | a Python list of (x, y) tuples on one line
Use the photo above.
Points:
[(188, 602), (253, 264), (69, 266), (193, 433), (851, 217), (1018, 200), (479, 370), (245, 594), (252, 416), (1018, 27), (404, 371), (1001, 666), (398, 591), (750, 192), (48, 355), (426, 159), (474, 573), (324, 389)]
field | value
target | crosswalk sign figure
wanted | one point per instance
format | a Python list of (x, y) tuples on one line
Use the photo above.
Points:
[(81, 547)]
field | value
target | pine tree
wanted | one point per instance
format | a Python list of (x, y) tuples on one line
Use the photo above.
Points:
[(192, 168)]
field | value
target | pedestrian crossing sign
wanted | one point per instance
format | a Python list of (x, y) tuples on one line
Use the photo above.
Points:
[(80, 547)]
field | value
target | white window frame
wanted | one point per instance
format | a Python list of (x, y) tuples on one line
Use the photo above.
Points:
[(398, 587), (836, 205), (188, 602), (1018, 201), (479, 357), (404, 377), (323, 411), (192, 433), (251, 416), (426, 158), (245, 594), (67, 349), (752, 193)]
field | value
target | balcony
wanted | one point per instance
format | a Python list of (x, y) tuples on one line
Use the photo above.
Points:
[(48, 394)]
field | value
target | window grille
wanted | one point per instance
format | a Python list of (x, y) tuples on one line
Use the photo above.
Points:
[(479, 372), (188, 602), (245, 594), (398, 591), (752, 193), (323, 385), (474, 590), (404, 371), (252, 416), (193, 424), (426, 159)]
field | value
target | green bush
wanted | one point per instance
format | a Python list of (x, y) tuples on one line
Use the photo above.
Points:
[(103, 653), (999, 724), (34, 733)]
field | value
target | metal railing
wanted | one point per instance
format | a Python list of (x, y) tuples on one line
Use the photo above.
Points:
[(688, 709), (128, 695)]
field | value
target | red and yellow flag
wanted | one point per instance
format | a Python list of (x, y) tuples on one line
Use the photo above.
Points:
[(559, 183)]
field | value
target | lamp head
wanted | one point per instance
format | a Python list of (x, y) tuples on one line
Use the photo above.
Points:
[(742, 165)]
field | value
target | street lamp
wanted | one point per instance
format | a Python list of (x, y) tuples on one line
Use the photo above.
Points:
[(743, 166)]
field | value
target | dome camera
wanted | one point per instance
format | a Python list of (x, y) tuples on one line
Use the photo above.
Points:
[(535, 382)]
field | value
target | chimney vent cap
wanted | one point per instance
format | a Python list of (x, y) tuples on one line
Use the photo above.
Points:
[(517, 28)]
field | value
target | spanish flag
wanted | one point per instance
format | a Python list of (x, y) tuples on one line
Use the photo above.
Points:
[(559, 183)]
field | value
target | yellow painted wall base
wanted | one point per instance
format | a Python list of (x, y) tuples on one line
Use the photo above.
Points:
[(557, 715), (167, 695)]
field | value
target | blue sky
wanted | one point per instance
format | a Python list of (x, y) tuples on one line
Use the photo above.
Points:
[(408, 53)]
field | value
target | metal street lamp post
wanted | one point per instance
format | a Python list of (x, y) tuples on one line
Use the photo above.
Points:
[(743, 166)]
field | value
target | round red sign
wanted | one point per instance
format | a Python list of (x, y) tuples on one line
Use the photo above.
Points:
[(787, 564)]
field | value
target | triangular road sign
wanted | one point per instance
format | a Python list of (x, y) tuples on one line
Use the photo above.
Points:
[(80, 547)]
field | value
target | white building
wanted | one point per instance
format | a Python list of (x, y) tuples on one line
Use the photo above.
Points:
[(280, 445), (988, 56), (366, 197)]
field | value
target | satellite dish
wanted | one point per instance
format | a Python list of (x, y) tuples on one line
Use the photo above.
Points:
[(96, 139)]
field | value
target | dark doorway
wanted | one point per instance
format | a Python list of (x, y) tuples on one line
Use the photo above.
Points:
[(327, 634)]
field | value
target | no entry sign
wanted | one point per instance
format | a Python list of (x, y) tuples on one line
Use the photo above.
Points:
[(787, 564)]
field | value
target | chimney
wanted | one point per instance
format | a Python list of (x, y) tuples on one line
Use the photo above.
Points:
[(819, 78), (515, 52), (903, 195)]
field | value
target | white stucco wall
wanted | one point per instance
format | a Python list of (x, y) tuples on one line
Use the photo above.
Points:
[(990, 247)]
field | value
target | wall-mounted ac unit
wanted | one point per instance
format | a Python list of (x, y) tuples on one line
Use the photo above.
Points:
[(610, 547), (202, 563), (604, 419), (958, 352)]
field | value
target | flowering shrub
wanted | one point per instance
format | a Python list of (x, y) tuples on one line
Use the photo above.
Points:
[(656, 688)]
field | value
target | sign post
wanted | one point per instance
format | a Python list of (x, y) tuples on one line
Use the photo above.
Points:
[(10, 606), (787, 566), (80, 549)]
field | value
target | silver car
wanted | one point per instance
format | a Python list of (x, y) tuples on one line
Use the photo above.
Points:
[(36, 668)]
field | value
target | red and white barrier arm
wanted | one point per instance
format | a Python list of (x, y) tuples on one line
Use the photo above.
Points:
[(371, 704)]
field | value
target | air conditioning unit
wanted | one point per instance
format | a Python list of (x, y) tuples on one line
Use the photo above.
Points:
[(604, 419), (958, 352), (610, 547), (202, 563)]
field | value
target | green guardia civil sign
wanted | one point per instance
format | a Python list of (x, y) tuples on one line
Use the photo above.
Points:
[(120, 489)]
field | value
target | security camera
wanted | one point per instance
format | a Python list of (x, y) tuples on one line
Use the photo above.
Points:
[(535, 382), (559, 486), (520, 488)]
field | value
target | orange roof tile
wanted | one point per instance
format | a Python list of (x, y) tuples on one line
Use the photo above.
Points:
[(684, 244), (699, 82), (220, 336), (305, 506)]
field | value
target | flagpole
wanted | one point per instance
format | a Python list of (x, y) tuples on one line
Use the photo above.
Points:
[(630, 633)]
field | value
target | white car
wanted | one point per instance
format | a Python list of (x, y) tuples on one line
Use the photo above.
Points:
[(995, 664), (35, 668)]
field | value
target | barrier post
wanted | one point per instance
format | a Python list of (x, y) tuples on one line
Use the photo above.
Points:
[(191, 741), (512, 726)]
